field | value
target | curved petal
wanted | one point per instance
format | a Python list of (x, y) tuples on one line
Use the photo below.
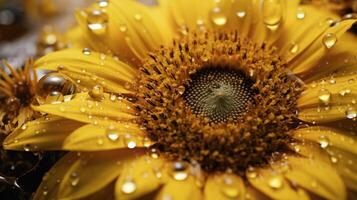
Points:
[(310, 56), (45, 133), (330, 99), (96, 138), (315, 173), (129, 25), (273, 184), (89, 68), (224, 186), (188, 190), (85, 109), (48, 188), (142, 174), (328, 137), (91, 172)]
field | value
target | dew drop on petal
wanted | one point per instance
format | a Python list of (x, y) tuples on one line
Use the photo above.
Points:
[(112, 134), (294, 48), (129, 186), (351, 113), (218, 17), (324, 96), (179, 171), (26, 147), (300, 14), (97, 92), (329, 40), (229, 189), (74, 179), (53, 86), (272, 13), (123, 28), (103, 3), (97, 21), (344, 92), (275, 182), (252, 173), (334, 159), (154, 153), (324, 141), (86, 51), (129, 141)]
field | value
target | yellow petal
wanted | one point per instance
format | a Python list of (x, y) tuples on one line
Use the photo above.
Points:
[(183, 190), (311, 24), (97, 138), (274, 185), (48, 188), (224, 186), (310, 56), (139, 178), (91, 172), (328, 137), (329, 99), (315, 173), (345, 163), (90, 70), (254, 194), (85, 109), (339, 61), (45, 133)]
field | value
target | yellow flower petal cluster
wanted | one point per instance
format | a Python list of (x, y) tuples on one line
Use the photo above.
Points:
[(112, 154)]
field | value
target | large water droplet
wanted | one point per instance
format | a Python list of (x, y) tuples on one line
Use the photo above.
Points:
[(130, 141), (324, 96), (179, 171), (97, 21), (329, 40), (53, 86), (103, 3), (344, 92), (218, 17), (272, 13), (129, 186)]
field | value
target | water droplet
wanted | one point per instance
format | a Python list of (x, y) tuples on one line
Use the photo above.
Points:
[(324, 141), (53, 86), (240, 14), (138, 17), (294, 48), (103, 3), (300, 13), (97, 92), (129, 186), (334, 159), (218, 17), (74, 179), (86, 51), (344, 92), (272, 13), (179, 171), (181, 90), (123, 28), (324, 96), (252, 173), (27, 147), (130, 141), (97, 21), (275, 182), (329, 40), (154, 153), (351, 113), (229, 189), (112, 134)]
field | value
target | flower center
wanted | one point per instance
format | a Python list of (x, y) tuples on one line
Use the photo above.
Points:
[(218, 100), (219, 94)]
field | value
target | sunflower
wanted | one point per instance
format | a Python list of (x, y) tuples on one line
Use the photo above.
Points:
[(201, 100)]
